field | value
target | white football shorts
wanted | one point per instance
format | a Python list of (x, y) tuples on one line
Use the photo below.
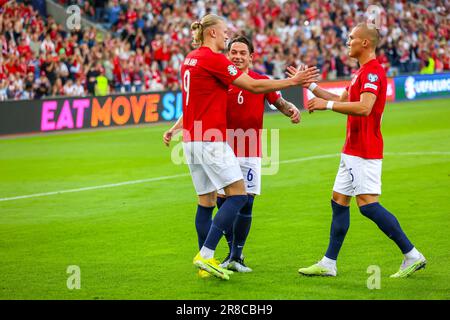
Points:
[(358, 176), (213, 165), (251, 171)]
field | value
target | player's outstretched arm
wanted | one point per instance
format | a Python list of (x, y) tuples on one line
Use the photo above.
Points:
[(268, 85), (363, 107), (316, 90), (167, 136), (327, 95), (288, 109)]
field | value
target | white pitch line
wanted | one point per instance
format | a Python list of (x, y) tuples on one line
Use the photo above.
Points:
[(104, 186), (324, 156), (429, 153)]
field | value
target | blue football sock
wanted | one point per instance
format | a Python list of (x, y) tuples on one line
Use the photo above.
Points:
[(388, 224), (223, 219), (229, 232), (242, 228), (339, 228), (203, 223)]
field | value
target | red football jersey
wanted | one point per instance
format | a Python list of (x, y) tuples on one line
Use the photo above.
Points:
[(205, 79), (245, 110), (364, 137)]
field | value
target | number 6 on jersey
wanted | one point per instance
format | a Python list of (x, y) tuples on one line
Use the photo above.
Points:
[(240, 98)]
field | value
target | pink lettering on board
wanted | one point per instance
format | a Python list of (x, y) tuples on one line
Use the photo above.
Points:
[(48, 115), (80, 105), (65, 119)]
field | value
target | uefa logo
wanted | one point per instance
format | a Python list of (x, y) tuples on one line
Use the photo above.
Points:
[(232, 70), (410, 90)]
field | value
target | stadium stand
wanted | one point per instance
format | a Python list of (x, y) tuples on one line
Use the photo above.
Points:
[(149, 39)]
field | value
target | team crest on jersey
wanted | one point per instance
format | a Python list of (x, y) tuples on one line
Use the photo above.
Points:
[(232, 70), (372, 77)]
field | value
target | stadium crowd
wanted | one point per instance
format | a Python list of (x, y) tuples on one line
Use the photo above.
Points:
[(149, 39)]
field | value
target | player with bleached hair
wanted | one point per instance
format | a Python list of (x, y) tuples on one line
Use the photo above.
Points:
[(359, 171), (206, 75), (245, 113)]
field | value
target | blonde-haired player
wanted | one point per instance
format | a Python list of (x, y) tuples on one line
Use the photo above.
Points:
[(206, 74)]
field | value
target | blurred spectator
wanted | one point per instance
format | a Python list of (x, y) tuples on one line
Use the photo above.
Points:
[(149, 39), (69, 88), (428, 63), (79, 88), (58, 88), (383, 60), (101, 86), (99, 6), (91, 77), (137, 78), (42, 87)]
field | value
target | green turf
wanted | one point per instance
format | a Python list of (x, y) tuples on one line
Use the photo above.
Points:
[(137, 241)]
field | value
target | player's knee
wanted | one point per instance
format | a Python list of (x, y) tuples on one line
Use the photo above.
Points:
[(207, 200), (248, 207), (236, 188), (240, 200), (341, 199), (369, 210)]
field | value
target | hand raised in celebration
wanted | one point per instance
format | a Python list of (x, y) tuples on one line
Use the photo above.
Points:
[(304, 76), (292, 72)]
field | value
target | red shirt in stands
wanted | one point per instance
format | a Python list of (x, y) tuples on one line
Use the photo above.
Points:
[(171, 75), (384, 61), (131, 16), (24, 50), (364, 137), (205, 79), (158, 53), (245, 110), (2, 72)]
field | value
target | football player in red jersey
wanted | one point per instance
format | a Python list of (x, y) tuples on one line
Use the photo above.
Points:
[(359, 172), (206, 74), (245, 112)]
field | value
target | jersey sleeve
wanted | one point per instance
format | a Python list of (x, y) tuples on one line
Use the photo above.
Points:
[(223, 69), (272, 97), (371, 82)]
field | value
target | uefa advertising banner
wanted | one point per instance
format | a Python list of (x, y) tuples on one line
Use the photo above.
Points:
[(337, 87), (49, 115), (422, 86)]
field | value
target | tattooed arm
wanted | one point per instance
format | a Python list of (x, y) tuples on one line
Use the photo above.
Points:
[(288, 109)]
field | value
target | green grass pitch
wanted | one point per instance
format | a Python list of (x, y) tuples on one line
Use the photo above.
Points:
[(137, 241)]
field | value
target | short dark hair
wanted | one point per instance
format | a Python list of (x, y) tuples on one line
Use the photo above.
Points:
[(243, 40)]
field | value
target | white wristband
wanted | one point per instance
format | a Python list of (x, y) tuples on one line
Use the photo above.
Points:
[(312, 86), (330, 105)]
